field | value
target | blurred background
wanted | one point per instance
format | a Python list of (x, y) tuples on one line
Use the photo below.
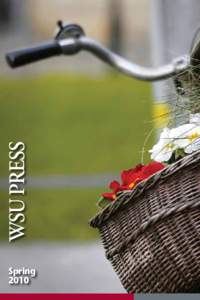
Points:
[(82, 123)]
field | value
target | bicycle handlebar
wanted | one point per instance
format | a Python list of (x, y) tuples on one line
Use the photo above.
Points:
[(72, 44), (178, 65), (28, 55), (25, 56)]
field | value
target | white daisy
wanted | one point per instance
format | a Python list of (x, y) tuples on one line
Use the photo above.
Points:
[(163, 150), (186, 137)]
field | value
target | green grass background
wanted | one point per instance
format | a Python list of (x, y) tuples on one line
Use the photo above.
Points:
[(71, 125), (55, 214)]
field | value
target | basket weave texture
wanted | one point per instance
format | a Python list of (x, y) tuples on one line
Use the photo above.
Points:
[(151, 234)]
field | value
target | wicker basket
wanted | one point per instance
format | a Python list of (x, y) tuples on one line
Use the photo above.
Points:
[(151, 234)]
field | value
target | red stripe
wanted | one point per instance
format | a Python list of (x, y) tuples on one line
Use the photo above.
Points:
[(66, 296)]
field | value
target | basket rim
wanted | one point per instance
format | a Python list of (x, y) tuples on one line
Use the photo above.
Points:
[(123, 198)]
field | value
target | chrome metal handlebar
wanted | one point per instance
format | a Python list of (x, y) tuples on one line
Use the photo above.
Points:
[(70, 39), (177, 66)]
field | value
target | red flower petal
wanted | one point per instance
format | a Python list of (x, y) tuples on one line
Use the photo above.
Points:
[(110, 196), (138, 167), (152, 168), (129, 176), (114, 185), (124, 176), (124, 187)]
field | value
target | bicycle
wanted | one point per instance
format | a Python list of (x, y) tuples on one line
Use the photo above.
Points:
[(70, 40)]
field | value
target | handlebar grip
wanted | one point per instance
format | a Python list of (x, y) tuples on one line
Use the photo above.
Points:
[(22, 57)]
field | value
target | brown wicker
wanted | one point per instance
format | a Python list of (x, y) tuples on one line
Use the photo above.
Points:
[(151, 234)]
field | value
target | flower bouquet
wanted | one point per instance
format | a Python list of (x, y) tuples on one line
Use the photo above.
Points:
[(150, 221)]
